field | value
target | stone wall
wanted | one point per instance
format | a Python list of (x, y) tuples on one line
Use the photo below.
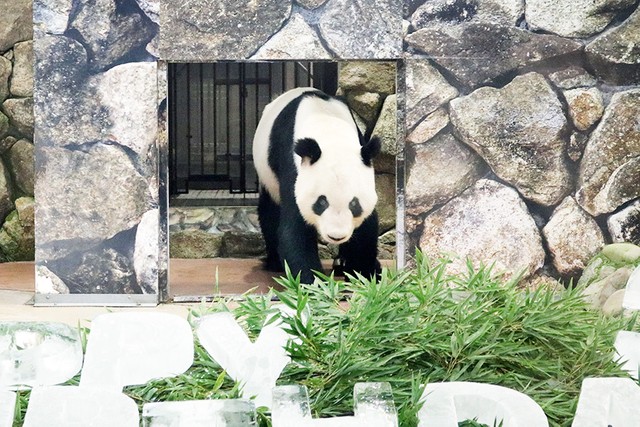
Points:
[(523, 139), (521, 123), (100, 98), (370, 90), (99, 116), (16, 133)]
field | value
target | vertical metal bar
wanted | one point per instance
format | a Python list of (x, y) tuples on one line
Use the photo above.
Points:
[(256, 115), (316, 73), (270, 80), (171, 104), (215, 119), (188, 127), (296, 74), (401, 132), (257, 112), (329, 77), (243, 124), (227, 119), (284, 71), (201, 119)]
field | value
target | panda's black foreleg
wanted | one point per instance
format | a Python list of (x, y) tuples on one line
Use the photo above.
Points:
[(298, 244), (360, 253), (269, 219)]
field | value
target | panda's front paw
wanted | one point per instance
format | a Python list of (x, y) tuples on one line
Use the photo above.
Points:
[(273, 264), (338, 266), (342, 267)]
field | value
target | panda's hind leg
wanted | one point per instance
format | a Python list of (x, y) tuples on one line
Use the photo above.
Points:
[(360, 253), (269, 219)]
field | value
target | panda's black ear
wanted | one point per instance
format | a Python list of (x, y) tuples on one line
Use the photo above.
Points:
[(308, 149), (370, 150)]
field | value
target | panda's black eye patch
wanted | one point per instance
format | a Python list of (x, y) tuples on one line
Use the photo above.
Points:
[(354, 207), (320, 205)]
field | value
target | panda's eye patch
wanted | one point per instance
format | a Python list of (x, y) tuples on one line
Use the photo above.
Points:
[(354, 207), (320, 205)]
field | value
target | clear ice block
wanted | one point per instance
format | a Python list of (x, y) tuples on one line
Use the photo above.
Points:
[(257, 365), (129, 348), (448, 403), (290, 406), (7, 408), (66, 406), (38, 353), (627, 347), (631, 300), (373, 407), (608, 402), (373, 404), (200, 413)]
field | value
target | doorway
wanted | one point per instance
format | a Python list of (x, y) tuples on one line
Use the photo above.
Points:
[(215, 242)]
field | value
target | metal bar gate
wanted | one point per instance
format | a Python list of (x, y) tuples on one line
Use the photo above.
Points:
[(214, 110)]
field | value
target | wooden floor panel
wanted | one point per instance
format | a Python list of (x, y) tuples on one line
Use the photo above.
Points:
[(189, 279), (217, 276), (17, 276)]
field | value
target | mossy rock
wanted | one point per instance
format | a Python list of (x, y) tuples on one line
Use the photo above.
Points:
[(611, 258), (242, 244), (17, 241), (622, 253), (195, 244)]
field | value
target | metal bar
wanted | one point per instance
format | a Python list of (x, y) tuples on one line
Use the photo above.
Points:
[(228, 126), (215, 118), (255, 120), (257, 112), (315, 73), (401, 132), (270, 78), (242, 130), (188, 126), (332, 77), (201, 118), (173, 174), (99, 300)]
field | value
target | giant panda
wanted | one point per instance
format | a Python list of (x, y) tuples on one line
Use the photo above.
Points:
[(316, 179)]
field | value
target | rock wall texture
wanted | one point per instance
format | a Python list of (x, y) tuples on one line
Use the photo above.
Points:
[(99, 101), (16, 133), (97, 166), (522, 126), (520, 117)]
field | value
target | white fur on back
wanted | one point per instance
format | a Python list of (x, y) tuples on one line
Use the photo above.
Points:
[(261, 140)]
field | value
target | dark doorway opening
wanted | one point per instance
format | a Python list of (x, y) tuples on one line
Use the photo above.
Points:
[(214, 109)]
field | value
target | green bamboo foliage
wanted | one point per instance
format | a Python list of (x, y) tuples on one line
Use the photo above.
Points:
[(416, 326)]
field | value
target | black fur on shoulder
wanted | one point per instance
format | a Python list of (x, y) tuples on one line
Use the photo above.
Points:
[(370, 150), (318, 94)]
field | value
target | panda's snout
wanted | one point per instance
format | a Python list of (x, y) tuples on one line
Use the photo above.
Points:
[(336, 227), (337, 240)]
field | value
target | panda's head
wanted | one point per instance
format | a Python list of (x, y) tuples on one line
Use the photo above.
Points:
[(335, 189)]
